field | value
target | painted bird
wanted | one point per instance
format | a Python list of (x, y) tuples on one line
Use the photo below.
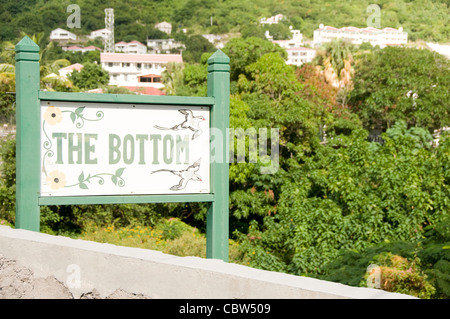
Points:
[(190, 122), (186, 175)]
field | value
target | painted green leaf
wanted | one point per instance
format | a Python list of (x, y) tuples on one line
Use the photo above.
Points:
[(119, 172), (83, 186), (81, 177), (114, 179), (79, 110), (73, 117)]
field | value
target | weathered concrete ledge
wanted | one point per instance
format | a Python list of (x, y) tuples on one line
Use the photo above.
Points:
[(85, 265)]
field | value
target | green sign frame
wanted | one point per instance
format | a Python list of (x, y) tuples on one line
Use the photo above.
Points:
[(28, 165)]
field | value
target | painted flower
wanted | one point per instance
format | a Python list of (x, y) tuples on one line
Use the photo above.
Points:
[(56, 179), (53, 115)]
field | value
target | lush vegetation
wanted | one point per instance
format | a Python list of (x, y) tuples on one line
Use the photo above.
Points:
[(338, 202), (135, 19)]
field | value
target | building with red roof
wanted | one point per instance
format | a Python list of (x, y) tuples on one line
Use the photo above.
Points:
[(374, 36), (138, 72)]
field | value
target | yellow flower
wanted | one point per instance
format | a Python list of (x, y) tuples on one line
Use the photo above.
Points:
[(56, 179), (53, 115)]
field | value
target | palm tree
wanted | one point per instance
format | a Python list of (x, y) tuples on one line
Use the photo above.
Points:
[(335, 61), (7, 77), (49, 68), (172, 78)]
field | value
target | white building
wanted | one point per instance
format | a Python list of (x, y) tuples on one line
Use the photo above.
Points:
[(69, 69), (299, 55), (164, 27), (295, 42), (138, 72), (62, 35), (374, 36), (101, 33), (130, 47), (76, 48), (163, 45), (272, 20)]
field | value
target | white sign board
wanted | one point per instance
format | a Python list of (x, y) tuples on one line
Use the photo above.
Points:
[(123, 149)]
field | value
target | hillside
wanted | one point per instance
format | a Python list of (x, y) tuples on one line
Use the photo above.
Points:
[(422, 19)]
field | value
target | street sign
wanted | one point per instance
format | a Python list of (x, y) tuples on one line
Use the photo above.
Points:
[(90, 148)]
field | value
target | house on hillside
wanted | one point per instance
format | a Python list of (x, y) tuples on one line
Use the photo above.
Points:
[(164, 45), (297, 54), (300, 55), (76, 48), (65, 72), (294, 42), (138, 72), (164, 27), (62, 35), (101, 33), (272, 20), (134, 46)]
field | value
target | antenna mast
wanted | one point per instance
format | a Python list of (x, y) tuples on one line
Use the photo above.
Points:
[(109, 25)]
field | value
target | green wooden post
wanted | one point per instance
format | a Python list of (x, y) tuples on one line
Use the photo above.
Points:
[(27, 135), (218, 212)]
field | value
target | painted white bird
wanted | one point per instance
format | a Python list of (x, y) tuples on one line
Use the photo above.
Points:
[(186, 175), (190, 122)]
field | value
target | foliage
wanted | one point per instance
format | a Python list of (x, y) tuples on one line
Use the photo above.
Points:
[(422, 19), (196, 45), (354, 196), (243, 52), (337, 201), (171, 236), (90, 77), (402, 84), (8, 179), (400, 275), (7, 108)]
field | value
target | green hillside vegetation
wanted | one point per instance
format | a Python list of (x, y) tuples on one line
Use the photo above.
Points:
[(134, 20), (340, 200)]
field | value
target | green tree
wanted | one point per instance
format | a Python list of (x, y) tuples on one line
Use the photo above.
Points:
[(90, 77), (243, 52), (196, 45), (402, 84)]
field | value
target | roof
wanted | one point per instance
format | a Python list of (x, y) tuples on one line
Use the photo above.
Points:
[(76, 66), (164, 23), (150, 76), (59, 29), (355, 29), (104, 29), (74, 47), (145, 58), (92, 47), (351, 29), (137, 42), (145, 90)]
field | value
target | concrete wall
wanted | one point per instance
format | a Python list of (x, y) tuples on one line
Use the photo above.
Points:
[(84, 266)]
